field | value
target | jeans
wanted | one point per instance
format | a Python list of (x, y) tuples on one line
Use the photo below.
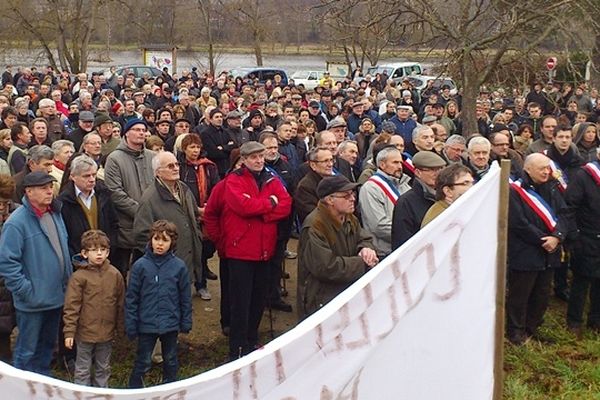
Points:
[(38, 332), (143, 360), (248, 282), (98, 355)]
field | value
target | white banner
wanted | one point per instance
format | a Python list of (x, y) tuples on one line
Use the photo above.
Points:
[(418, 326)]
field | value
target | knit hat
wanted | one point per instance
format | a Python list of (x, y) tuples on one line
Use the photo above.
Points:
[(131, 123)]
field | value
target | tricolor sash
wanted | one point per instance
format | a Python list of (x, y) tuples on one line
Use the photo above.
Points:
[(537, 204), (388, 187), (593, 168), (407, 163)]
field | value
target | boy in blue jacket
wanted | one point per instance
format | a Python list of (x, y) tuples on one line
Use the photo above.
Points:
[(158, 304)]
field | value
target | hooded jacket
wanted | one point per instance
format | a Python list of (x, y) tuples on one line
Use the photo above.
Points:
[(94, 302), (127, 174), (587, 151)]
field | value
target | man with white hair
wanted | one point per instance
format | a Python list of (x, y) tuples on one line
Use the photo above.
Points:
[(378, 196), (423, 139), (478, 156), (536, 226), (453, 150), (170, 199), (48, 110)]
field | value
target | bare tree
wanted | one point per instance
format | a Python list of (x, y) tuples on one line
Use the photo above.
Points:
[(474, 29), (363, 28), (255, 17), (68, 24)]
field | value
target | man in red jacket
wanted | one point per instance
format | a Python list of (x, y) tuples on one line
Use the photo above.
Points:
[(255, 201)]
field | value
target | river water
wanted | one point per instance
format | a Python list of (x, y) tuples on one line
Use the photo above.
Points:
[(185, 60)]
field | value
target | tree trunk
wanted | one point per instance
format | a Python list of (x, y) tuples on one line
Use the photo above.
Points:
[(595, 69), (469, 96), (258, 50)]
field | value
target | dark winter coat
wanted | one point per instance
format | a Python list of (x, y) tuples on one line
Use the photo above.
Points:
[(409, 212), (159, 296), (583, 198), (76, 222), (526, 228)]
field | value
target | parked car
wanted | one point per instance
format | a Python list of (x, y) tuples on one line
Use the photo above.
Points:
[(138, 71), (420, 82), (262, 73), (310, 79), (396, 71)]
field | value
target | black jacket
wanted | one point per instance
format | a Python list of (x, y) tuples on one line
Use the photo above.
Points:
[(212, 138), (583, 198), (526, 228), (409, 212), (76, 222)]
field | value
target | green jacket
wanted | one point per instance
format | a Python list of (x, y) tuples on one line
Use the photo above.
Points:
[(328, 260)]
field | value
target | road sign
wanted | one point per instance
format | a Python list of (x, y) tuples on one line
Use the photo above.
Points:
[(551, 63)]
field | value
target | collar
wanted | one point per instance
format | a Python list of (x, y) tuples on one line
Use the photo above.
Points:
[(59, 165), (78, 192), (40, 213), (395, 180)]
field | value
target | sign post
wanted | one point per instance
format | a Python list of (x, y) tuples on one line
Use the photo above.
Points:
[(551, 63)]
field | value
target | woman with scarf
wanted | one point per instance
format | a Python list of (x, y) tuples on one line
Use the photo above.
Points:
[(201, 175)]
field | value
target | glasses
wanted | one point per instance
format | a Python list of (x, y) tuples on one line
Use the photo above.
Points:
[(328, 161), (465, 183), (171, 166), (347, 196), (139, 129)]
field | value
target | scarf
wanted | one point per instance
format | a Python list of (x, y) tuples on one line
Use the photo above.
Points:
[(59, 165), (201, 180)]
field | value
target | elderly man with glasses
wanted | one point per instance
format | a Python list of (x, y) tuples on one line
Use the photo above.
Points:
[(334, 251)]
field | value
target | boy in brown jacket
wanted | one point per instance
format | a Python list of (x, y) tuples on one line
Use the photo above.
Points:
[(93, 309)]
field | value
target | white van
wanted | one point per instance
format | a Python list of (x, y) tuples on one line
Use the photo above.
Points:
[(396, 71)]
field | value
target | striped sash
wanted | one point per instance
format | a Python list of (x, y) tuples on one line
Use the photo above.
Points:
[(537, 204), (593, 168), (388, 188)]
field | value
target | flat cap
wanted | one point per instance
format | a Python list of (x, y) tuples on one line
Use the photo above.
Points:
[(37, 178), (429, 119), (336, 123), (235, 114), (314, 104), (251, 147), (86, 116), (428, 159), (334, 184)]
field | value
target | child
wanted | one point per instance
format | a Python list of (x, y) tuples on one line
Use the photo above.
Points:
[(158, 303), (93, 309)]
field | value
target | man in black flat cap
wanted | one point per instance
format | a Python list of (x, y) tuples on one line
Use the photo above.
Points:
[(334, 251), (412, 205)]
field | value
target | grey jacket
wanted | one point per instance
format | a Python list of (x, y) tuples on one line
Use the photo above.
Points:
[(377, 210), (127, 174), (158, 202)]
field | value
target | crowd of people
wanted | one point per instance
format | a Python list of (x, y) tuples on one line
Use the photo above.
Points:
[(135, 183)]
